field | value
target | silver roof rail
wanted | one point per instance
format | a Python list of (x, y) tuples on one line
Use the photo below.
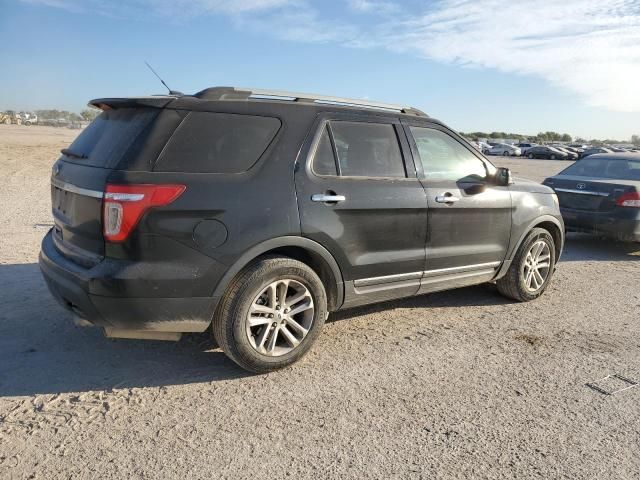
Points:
[(237, 93)]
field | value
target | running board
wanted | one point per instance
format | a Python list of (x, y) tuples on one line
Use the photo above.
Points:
[(141, 334)]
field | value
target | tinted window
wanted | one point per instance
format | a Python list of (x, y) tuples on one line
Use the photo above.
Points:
[(367, 149), (324, 162), (217, 143), (621, 169), (106, 140), (444, 158)]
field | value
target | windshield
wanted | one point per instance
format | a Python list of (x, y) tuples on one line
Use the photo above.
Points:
[(621, 169)]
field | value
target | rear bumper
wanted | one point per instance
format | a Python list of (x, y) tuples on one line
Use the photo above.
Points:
[(622, 225), (71, 285)]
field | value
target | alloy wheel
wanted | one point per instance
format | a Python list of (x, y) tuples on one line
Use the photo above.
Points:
[(536, 266), (280, 317)]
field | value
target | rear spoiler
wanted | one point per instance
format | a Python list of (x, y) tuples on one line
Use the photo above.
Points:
[(156, 101)]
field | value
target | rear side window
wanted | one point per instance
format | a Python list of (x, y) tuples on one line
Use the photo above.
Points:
[(363, 149), (324, 162), (106, 140), (208, 142)]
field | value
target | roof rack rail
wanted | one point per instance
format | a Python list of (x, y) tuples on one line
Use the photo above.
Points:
[(236, 93)]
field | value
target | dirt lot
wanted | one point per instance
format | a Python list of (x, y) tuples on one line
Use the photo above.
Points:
[(454, 385)]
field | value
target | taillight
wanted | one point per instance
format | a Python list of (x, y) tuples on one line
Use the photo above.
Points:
[(124, 205), (630, 199)]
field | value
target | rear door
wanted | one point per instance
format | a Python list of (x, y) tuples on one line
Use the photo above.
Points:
[(469, 217), (359, 196), (112, 141)]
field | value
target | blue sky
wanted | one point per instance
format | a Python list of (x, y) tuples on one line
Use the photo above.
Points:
[(475, 64)]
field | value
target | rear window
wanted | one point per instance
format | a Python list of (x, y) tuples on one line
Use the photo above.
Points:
[(620, 169), (106, 140), (208, 142)]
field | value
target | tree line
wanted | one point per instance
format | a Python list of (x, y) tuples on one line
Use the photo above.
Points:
[(87, 115), (542, 137)]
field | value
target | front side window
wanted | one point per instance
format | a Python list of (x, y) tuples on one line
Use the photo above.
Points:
[(363, 150), (444, 158)]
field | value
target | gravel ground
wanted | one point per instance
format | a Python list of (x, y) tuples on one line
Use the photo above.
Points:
[(461, 384)]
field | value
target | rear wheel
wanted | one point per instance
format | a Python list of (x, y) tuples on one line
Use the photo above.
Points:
[(271, 315), (531, 269), (552, 157), (506, 153), (530, 155)]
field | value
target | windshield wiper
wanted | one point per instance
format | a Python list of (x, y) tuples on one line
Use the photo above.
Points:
[(71, 153)]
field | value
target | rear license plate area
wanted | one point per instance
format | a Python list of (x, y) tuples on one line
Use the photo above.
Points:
[(580, 202)]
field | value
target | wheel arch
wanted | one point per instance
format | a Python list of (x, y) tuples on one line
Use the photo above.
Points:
[(302, 249), (549, 223)]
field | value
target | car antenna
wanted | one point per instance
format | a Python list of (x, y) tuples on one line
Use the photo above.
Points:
[(171, 92)]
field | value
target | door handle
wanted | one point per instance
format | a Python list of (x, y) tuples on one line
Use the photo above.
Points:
[(326, 198), (447, 198)]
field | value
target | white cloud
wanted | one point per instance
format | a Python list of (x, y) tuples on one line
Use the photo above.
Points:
[(588, 47), (373, 6)]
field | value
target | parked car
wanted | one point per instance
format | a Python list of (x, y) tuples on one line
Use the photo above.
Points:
[(505, 150), (594, 150), (570, 155), (257, 214), (577, 151), (524, 147), (600, 194), (484, 147), (546, 152), (29, 118)]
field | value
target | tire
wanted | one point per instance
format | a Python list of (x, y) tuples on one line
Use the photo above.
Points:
[(530, 155), (251, 290), (505, 153), (514, 284), (7, 121), (552, 157)]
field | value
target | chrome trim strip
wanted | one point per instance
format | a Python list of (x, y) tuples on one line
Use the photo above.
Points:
[(298, 96), (363, 282), (464, 268), (124, 197), (71, 188), (582, 192)]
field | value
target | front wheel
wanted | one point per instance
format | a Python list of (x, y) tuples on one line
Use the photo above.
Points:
[(530, 155), (532, 268), (552, 157), (506, 153), (271, 315)]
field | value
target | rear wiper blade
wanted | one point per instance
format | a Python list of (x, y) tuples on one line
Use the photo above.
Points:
[(71, 153)]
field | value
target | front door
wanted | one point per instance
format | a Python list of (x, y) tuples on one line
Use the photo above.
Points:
[(359, 197), (469, 216)]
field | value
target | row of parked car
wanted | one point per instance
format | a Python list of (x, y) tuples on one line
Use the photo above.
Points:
[(549, 152)]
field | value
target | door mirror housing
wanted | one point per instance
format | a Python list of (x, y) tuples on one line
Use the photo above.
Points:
[(503, 177)]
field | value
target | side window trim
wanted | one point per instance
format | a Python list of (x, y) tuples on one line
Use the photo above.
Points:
[(327, 124), (404, 146)]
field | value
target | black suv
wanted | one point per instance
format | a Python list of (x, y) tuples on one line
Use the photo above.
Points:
[(260, 212)]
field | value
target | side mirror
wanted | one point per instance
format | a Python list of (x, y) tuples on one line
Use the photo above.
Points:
[(503, 177)]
